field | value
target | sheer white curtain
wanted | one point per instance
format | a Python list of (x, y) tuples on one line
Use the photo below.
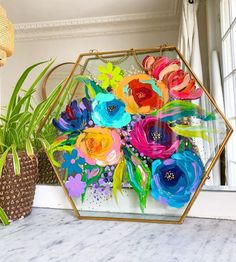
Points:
[(188, 44)]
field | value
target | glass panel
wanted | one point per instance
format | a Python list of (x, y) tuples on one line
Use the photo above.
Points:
[(225, 16), (230, 102), (233, 10), (233, 32), (227, 55), (139, 143)]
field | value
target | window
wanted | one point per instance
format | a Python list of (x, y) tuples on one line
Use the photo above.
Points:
[(228, 38)]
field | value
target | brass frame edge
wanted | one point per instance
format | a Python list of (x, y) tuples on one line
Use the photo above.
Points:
[(43, 85)]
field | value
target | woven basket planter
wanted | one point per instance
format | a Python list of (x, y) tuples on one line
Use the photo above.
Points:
[(46, 172), (17, 192)]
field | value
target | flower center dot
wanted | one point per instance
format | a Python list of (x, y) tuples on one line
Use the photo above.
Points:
[(156, 136), (169, 176), (141, 95), (111, 108), (72, 161), (109, 76)]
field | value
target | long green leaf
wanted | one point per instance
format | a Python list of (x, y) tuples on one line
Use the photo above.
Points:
[(28, 94), (23, 120), (42, 109), (36, 81), (15, 118), (14, 135), (3, 217), (2, 118), (16, 161), (44, 142), (29, 148), (20, 103), (33, 119), (17, 88), (3, 160)]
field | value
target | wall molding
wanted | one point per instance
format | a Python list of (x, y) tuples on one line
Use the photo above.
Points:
[(99, 26)]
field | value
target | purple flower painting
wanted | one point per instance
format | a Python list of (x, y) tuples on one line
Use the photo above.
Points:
[(75, 186)]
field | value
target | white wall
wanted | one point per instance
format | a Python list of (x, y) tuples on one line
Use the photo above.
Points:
[(67, 49)]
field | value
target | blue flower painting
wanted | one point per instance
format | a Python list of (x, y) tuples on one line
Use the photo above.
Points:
[(176, 178), (108, 111), (75, 118), (72, 162)]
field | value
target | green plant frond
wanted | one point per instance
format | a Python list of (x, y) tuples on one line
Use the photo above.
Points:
[(23, 120), (29, 148), (36, 81), (21, 103), (2, 118), (3, 159), (15, 136), (44, 142), (3, 217), (16, 161), (17, 88), (42, 109), (15, 118)]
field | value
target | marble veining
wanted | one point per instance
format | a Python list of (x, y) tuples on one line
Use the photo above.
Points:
[(56, 235)]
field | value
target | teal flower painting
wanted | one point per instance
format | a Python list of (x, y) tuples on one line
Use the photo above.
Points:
[(108, 111)]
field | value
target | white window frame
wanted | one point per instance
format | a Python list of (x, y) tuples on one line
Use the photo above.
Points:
[(228, 42)]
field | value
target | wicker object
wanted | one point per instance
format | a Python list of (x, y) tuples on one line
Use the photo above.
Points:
[(6, 37), (46, 175), (17, 192)]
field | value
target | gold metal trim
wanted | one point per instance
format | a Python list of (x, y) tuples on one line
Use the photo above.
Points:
[(93, 55), (43, 85)]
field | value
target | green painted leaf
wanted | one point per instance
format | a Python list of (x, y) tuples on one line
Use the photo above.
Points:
[(118, 177), (193, 131), (138, 175), (177, 109), (91, 88)]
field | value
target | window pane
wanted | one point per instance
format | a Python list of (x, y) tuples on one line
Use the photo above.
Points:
[(234, 44), (233, 10), (225, 20), (230, 111), (229, 98), (227, 55)]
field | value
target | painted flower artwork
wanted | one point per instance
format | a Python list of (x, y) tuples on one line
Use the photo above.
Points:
[(137, 131)]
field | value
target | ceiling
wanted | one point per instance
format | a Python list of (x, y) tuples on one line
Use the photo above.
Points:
[(28, 11)]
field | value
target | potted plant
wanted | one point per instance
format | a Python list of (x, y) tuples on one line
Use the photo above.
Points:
[(20, 143), (18, 162)]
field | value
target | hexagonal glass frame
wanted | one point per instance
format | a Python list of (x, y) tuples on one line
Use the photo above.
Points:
[(128, 209)]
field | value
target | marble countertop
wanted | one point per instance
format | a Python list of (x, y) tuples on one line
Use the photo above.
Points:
[(56, 235)]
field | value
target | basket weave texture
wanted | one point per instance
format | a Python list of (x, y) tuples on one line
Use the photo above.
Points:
[(17, 192), (6, 37), (46, 175)]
